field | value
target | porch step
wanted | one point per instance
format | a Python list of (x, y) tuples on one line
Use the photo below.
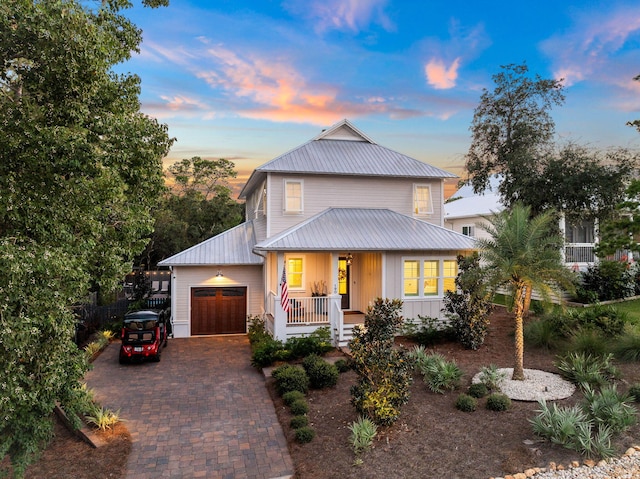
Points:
[(347, 335)]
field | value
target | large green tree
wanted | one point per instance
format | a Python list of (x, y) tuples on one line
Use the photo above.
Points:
[(523, 253), (80, 167)]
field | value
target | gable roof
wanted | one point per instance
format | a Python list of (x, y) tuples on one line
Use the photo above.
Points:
[(344, 150), (231, 247), (473, 206), (358, 229)]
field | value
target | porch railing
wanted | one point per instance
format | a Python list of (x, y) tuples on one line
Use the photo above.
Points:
[(314, 310), (579, 253)]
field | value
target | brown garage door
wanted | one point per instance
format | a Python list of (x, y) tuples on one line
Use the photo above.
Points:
[(218, 310)]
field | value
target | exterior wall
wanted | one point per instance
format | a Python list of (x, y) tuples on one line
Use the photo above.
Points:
[(323, 191), (186, 277), (457, 224)]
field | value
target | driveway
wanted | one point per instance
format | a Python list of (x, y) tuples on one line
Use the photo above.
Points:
[(202, 411)]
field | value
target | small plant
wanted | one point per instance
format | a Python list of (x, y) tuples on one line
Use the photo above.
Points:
[(440, 374), (609, 408), (342, 365), (586, 369), (498, 402), (466, 403), (627, 346), (289, 397), (266, 351), (588, 341), (299, 407), (363, 430), (107, 335), (305, 434), (478, 390), (92, 349), (299, 421), (321, 373), (634, 392), (103, 418), (542, 333), (491, 377), (290, 378), (257, 330)]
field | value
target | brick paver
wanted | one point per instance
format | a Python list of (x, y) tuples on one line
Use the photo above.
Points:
[(202, 411)]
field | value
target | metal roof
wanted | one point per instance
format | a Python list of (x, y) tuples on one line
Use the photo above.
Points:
[(357, 229), (472, 206), (336, 153), (232, 247)]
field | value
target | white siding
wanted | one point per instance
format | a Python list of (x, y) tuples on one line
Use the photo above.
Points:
[(457, 224), (323, 191), (187, 277)]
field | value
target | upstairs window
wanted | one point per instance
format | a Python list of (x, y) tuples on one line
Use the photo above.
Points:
[(293, 196), (422, 204), (468, 231)]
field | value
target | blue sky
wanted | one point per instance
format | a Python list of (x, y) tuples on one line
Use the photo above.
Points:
[(249, 80)]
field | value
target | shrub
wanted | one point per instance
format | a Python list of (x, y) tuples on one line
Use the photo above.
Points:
[(342, 365), (257, 330), (469, 306), (321, 373), (385, 373), (588, 341), (299, 407), (609, 408), (478, 390), (318, 342), (498, 402), (634, 392), (491, 376), (542, 333), (608, 280), (305, 434), (103, 418), (586, 369), (605, 319), (466, 403), (363, 430), (289, 397), (427, 331), (290, 378), (439, 374), (627, 346), (299, 421), (266, 351)]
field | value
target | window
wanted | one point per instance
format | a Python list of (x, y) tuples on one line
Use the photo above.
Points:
[(428, 277), (293, 196), (411, 277), (449, 273), (422, 204), (431, 278), (468, 231), (295, 273)]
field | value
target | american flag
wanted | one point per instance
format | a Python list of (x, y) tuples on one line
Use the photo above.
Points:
[(284, 291)]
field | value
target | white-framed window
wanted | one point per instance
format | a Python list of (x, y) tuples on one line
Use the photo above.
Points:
[(261, 204), (428, 277), (422, 202), (293, 197), (469, 230), (295, 272)]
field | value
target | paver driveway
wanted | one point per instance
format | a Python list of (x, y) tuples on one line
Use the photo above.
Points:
[(202, 411)]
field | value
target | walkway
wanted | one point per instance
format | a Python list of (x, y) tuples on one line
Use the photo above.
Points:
[(202, 411)]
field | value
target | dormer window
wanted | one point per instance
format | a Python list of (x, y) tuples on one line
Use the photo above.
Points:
[(293, 196), (422, 203)]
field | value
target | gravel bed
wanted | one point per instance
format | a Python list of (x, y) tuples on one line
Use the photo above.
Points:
[(536, 386)]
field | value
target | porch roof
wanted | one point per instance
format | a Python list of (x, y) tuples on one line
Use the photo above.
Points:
[(232, 247), (360, 229)]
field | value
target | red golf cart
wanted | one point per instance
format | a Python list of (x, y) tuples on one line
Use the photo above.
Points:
[(144, 334)]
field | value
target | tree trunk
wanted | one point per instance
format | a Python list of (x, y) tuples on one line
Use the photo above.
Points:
[(527, 301), (519, 298)]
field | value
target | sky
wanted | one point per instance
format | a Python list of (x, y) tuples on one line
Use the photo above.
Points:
[(250, 80)]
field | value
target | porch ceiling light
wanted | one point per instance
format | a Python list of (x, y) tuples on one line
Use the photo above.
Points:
[(349, 258), (219, 274)]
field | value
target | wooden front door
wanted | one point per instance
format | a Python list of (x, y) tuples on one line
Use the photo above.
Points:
[(218, 310)]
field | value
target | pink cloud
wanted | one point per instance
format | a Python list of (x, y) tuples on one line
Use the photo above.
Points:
[(351, 15), (439, 75)]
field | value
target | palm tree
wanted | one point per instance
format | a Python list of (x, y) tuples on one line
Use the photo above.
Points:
[(523, 253)]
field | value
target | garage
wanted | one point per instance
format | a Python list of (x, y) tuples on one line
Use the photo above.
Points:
[(218, 310)]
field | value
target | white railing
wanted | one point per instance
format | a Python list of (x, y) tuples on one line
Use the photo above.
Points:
[(314, 310), (579, 253)]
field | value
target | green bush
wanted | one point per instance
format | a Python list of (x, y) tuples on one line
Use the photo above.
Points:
[(305, 434), (468, 307), (321, 373), (606, 320), (542, 333), (299, 407), (498, 402), (478, 390), (290, 378), (318, 342), (585, 369), (257, 330), (299, 421), (438, 373), (634, 392), (491, 376), (342, 365), (608, 280), (466, 403), (385, 373), (289, 397), (627, 346), (266, 351), (363, 430), (608, 407), (588, 341)]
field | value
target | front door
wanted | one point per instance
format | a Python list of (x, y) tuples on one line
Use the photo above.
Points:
[(344, 271)]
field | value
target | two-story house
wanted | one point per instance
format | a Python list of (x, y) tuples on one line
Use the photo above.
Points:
[(342, 219)]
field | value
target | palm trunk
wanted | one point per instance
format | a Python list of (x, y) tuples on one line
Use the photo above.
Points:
[(520, 296), (527, 300)]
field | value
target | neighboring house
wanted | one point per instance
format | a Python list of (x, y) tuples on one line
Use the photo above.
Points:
[(348, 221), (467, 211)]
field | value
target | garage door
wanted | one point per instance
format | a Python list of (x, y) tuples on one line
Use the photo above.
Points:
[(218, 310)]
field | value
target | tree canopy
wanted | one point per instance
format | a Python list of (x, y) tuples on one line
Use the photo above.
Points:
[(80, 167)]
